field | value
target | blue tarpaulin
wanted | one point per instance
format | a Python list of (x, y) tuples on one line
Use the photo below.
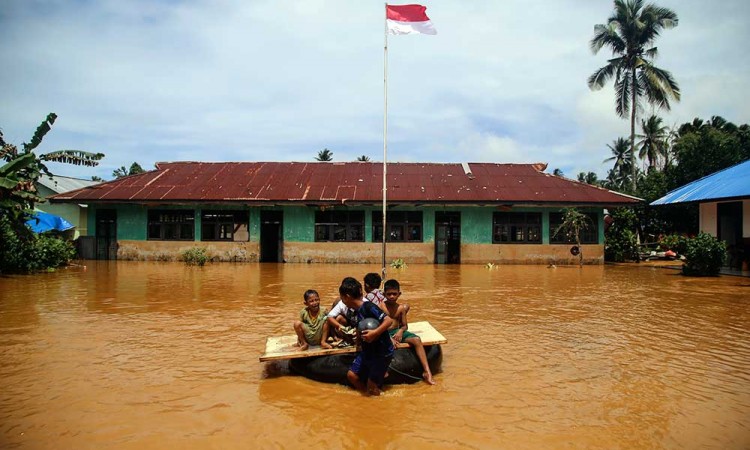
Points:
[(42, 221), (730, 183)]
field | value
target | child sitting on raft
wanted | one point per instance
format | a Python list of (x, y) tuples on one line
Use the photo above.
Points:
[(372, 289), (338, 324), (312, 325), (399, 330)]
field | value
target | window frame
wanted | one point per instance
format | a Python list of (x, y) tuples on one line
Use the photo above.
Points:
[(400, 226), (526, 224), (339, 226), (181, 220), (225, 226), (588, 236)]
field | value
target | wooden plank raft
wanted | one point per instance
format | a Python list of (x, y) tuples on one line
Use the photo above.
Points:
[(282, 347)]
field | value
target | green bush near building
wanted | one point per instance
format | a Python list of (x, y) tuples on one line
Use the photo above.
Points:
[(705, 255), (620, 242), (676, 242), (24, 252), (196, 256)]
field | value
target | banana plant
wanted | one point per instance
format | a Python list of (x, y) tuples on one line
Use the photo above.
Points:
[(21, 170)]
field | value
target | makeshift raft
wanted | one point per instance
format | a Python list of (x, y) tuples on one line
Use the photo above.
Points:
[(331, 365)]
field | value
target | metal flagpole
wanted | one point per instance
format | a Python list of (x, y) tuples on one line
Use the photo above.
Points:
[(385, 128)]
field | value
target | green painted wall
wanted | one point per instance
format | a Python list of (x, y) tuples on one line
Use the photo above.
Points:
[(254, 225), (476, 226), (368, 225), (299, 221), (428, 225), (299, 224), (131, 222), (68, 211)]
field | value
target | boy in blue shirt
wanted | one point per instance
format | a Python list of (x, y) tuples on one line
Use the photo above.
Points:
[(372, 362)]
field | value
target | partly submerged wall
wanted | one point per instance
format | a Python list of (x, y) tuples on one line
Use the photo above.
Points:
[(299, 246)]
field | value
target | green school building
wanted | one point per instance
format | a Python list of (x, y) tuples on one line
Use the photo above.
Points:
[(470, 213)]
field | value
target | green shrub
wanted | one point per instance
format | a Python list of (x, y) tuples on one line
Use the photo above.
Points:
[(620, 243), (675, 242), (398, 263), (196, 256), (705, 255), (50, 251), (22, 251)]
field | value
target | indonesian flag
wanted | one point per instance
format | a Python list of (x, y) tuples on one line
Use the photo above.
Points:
[(408, 19)]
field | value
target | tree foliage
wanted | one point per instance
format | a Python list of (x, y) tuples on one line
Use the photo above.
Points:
[(618, 178), (21, 170), (573, 222), (630, 33), (20, 249), (653, 141), (27, 252), (324, 155), (589, 178), (620, 243), (363, 158), (135, 168), (702, 148)]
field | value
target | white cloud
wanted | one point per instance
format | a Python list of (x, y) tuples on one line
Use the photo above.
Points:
[(262, 80)]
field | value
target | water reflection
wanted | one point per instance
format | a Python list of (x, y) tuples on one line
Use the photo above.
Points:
[(155, 355)]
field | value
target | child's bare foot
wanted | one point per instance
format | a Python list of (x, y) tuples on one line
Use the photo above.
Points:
[(375, 392), (324, 344), (428, 378), (303, 347)]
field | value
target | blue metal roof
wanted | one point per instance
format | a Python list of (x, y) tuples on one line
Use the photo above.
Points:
[(732, 182)]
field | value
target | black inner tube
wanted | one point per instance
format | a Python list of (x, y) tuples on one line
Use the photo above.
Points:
[(404, 369)]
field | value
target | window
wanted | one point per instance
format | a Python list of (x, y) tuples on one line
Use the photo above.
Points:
[(516, 228), (224, 226), (588, 236), (171, 225), (403, 226), (340, 226)]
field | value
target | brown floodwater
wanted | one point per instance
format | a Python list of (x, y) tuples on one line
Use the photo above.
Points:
[(147, 355)]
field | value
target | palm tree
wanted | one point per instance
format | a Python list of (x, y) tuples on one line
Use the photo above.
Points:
[(621, 155), (653, 143), (588, 178), (363, 158), (135, 168), (557, 172), (629, 32), (324, 155)]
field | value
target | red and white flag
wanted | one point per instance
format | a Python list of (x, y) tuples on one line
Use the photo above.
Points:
[(408, 19)]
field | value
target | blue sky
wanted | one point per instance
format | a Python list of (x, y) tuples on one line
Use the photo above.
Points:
[(225, 80)]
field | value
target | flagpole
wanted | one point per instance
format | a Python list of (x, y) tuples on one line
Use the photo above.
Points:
[(385, 128)]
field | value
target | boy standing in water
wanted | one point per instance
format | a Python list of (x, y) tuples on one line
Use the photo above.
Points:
[(312, 325), (372, 362), (399, 330)]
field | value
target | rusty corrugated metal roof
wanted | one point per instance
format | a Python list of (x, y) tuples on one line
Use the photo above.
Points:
[(349, 182)]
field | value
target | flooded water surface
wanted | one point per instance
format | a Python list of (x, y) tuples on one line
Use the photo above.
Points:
[(159, 355)]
